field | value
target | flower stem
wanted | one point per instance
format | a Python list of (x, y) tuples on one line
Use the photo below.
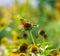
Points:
[(43, 40), (32, 38)]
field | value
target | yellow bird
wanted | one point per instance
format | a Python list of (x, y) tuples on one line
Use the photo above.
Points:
[(23, 21)]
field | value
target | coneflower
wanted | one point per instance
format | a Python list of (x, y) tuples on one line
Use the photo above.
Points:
[(25, 35), (23, 54), (27, 26), (34, 49), (41, 32), (23, 47), (18, 37), (45, 36)]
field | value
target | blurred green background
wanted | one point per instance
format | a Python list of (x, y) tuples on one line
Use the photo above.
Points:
[(45, 13)]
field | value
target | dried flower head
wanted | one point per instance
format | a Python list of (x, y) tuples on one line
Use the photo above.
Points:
[(27, 26), (23, 54), (18, 37), (41, 32), (34, 49), (23, 47), (25, 35), (45, 36)]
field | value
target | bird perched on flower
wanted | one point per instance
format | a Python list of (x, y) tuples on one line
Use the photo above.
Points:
[(27, 25), (22, 20)]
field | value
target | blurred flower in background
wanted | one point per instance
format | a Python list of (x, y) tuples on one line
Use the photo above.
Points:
[(45, 13)]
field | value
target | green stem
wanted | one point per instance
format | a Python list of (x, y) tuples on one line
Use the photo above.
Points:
[(32, 38), (43, 40), (35, 54)]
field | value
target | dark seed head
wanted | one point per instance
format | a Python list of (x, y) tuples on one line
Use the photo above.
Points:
[(25, 35), (27, 26), (34, 49), (41, 32), (45, 36), (18, 37), (23, 47)]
